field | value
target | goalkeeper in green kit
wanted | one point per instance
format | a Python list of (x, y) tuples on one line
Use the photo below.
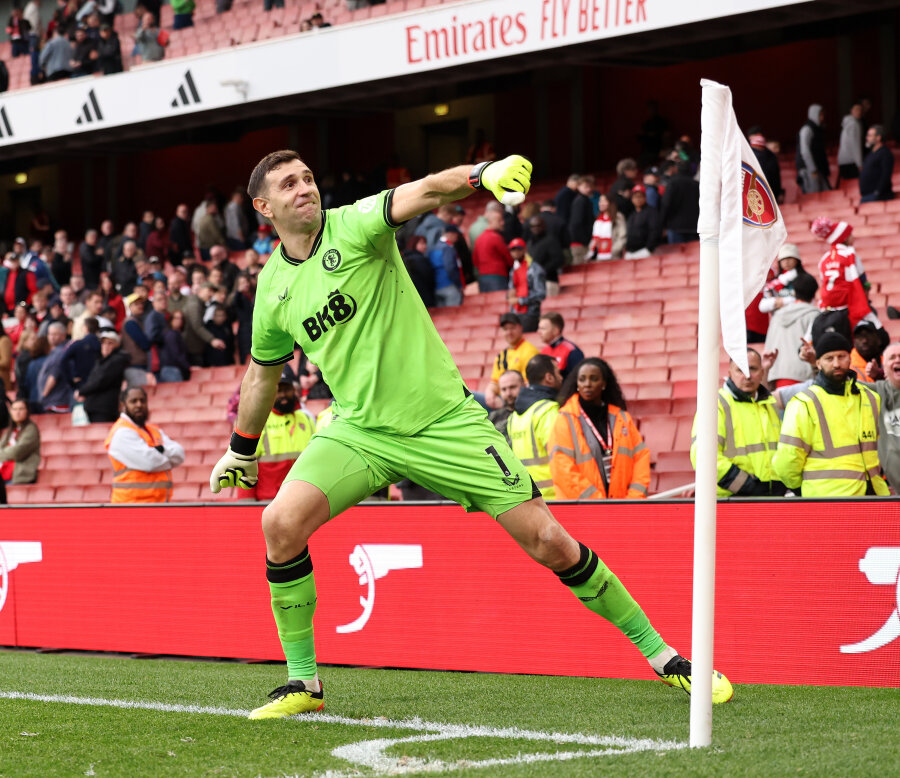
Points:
[(337, 286)]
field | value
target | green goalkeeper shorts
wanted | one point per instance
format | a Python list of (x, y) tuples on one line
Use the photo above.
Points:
[(460, 456)]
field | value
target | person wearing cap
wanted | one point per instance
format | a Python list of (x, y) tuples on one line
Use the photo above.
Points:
[(842, 281), (447, 270), (868, 345), (264, 243), (527, 286), (514, 357), (136, 344), (779, 290), (748, 434), (142, 455), (287, 433), (100, 390), (652, 187), (829, 437), (642, 231)]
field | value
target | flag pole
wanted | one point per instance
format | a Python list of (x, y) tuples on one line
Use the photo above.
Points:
[(706, 429)]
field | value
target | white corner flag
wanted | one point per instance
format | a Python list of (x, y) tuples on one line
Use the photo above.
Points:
[(736, 203), (741, 231)]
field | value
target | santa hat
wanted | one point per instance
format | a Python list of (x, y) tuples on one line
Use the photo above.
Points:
[(831, 231)]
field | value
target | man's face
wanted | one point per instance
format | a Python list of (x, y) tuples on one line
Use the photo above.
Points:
[(77, 283), (547, 330), (130, 231), (56, 336), (856, 111), (518, 254), (537, 226), (175, 282), (66, 295), (291, 199), (866, 342), (450, 237), (554, 379), (94, 304), (136, 406), (891, 361), (512, 333), (160, 302), (494, 220), (106, 227), (90, 237), (871, 137), (639, 199), (748, 384), (835, 365), (285, 398), (19, 411), (136, 309), (129, 249), (218, 254), (510, 386), (586, 188)]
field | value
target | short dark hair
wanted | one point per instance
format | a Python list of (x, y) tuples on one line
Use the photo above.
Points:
[(555, 319), (538, 366), (124, 395), (805, 286), (878, 129), (265, 166)]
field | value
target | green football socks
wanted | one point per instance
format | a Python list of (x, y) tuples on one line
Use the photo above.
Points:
[(293, 588), (597, 587)]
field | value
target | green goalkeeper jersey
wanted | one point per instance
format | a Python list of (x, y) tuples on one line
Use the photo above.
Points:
[(354, 311)]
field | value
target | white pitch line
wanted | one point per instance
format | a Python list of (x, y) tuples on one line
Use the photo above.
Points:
[(371, 753)]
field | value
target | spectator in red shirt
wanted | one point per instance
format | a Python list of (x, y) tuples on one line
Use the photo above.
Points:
[(564, 351), (491, 256), (18, 285)]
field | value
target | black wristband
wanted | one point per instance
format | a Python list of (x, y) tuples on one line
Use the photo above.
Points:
[(241, 444), (475, 175)]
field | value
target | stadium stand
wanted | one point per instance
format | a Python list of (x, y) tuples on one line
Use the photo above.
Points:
[(641, 316)]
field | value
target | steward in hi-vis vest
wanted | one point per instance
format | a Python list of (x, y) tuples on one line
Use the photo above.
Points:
[(829, 437), (748, 435), (596, 451), (530, 425), (287, 432), (142, 455)]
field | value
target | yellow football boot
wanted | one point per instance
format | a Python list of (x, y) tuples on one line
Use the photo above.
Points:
[(677, 673), (289, 700)]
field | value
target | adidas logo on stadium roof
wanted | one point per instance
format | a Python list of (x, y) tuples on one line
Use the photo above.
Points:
[(5, 128), (187, 92), (90, 111)]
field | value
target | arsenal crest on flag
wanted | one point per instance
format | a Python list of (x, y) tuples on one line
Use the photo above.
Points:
[(737, 205)]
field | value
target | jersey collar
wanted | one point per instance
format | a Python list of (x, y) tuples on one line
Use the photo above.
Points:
[(315, 247)]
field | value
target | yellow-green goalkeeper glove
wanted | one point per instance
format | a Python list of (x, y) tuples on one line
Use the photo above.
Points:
[(507, 179), (238, 467)]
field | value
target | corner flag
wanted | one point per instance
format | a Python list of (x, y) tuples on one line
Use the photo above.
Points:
[(739, 206)]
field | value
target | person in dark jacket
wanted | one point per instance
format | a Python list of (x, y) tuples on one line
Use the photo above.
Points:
[(681, 206), (83, 354), (642, 234), (581, 219), (563, 199), (109, 51), (240, 309), (84, 54), (180, 234), (419, 268), (100, 392), (173, 356), (812, 160), (768, 162), (877, 169), (220, 328), (544, 249)]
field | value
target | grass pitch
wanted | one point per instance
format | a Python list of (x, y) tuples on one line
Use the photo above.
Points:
[(380, 722)]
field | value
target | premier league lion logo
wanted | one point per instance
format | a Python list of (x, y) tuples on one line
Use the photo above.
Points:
[(757, 203)]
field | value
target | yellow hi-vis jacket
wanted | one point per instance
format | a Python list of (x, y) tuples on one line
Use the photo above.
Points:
[(285, 436), (529, 433), (829, 442), (748, 437)]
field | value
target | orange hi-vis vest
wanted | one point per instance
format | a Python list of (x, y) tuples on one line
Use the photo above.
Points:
[(576, 473), (138, 485)]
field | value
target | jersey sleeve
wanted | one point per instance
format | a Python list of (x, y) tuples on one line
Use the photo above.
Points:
[(270, 345), (368, 221)]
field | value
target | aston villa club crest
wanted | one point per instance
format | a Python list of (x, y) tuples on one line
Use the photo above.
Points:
[(757, 203)]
